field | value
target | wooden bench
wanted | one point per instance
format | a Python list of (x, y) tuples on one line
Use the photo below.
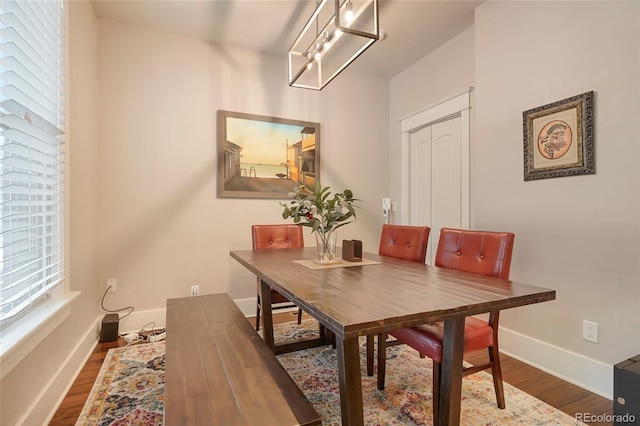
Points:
[(218, 371)]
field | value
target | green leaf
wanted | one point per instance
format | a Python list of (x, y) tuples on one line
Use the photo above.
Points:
[(330, 211)]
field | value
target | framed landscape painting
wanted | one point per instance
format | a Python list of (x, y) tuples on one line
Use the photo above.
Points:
[(558, 138), (266, 157)]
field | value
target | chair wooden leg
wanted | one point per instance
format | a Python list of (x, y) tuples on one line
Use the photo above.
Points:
[(496, 371), (382, 359), (369, 355), (258, 315), (299, 316), (436, 391)]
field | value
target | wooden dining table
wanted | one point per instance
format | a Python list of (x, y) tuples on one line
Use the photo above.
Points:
[(350, 300)]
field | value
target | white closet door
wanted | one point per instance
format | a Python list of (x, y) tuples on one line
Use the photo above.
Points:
[(420, 183), (436, 179), (434, 167)]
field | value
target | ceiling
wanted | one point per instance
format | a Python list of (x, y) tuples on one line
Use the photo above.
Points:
[(413, 28)]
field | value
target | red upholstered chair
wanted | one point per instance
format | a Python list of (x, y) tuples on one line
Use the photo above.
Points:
[(404, 242), (401, 242), (268, 237), (480, 252)]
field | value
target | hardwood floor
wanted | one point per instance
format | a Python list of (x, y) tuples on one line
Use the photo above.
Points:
[(564, 396)]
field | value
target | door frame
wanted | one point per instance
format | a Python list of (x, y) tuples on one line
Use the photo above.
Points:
[(459, 104)]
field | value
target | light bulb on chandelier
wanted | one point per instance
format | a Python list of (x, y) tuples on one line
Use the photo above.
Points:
[(349, 12)]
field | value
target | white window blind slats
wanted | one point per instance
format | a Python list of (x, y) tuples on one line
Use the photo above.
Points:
[(25, 257), (12, 121), (19, 278), (23, 223), (29, 270), (23, 171), (17, 88), (31, 165), (23, 239), (38, 16), (33, 20), (41, 107), (35, 122), (14, 303), (10, 36), (24, 266), (16, 142), (35, 24), (10, 50), (46, 12), (49, 203), (12, 78), (28, 191), (40, 180), (38, 39)]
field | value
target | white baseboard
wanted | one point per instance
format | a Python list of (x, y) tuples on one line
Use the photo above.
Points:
[(44, 407), (157, 318), (147, 320), (247, 306), (589, 374)]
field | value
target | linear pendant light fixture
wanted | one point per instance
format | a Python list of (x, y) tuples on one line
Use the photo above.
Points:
[(335, 35)]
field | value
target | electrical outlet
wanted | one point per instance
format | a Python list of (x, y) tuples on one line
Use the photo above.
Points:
[(590, 331), (195, 290), (111, 284)]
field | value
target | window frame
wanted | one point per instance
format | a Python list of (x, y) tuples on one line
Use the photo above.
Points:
[(21, 336)]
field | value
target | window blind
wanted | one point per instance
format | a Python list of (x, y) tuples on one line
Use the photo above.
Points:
[(31, 166)]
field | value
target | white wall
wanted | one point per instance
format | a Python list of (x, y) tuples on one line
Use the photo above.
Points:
[(578, 235), (162, 227), (32, 391)]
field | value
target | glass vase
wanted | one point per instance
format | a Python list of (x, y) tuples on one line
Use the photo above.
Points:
[(326, 243)]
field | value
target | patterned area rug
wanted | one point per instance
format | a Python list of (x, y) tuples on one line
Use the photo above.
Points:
[(130, 389), (406, 399)]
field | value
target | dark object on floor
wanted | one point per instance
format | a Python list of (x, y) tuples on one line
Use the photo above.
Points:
[(626, 391), (109, 330)]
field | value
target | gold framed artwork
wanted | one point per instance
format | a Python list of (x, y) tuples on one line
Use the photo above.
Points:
[(266, 157), (558, 138)]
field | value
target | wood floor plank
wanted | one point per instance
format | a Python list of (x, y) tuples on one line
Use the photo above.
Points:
[(591, 404), (563, 394)]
